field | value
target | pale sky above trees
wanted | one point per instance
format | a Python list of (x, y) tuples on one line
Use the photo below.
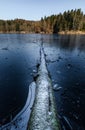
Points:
[(35, 9)]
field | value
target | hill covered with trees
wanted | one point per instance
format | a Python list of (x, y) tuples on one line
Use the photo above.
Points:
[(72, 20)]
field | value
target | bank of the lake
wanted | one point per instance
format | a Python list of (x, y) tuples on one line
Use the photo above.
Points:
[(60, 32), (72, 32)]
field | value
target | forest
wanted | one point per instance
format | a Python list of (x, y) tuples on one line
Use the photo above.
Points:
[(71, 20)]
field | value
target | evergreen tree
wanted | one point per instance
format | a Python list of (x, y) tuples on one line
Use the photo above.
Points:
[(70, 20)]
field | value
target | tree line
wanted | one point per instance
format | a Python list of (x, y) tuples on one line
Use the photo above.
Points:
[(71, 20)]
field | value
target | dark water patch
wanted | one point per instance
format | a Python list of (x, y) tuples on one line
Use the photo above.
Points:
[(5, 48)]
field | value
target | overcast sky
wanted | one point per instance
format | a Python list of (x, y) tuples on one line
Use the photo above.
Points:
[(35, 9)]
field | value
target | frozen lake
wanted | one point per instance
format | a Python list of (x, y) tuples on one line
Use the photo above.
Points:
[(65, 57)]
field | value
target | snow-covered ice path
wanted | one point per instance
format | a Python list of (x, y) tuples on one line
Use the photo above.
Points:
[(43, 116)]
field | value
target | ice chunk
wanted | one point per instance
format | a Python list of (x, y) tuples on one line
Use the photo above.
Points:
[(56, 87), (34, 71)]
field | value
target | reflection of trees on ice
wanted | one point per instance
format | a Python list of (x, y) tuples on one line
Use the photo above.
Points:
[(43, 115)]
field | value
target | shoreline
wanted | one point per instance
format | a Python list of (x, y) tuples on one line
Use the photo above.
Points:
[(72, 32), (61, 32)]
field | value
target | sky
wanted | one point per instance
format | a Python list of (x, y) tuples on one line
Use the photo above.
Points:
[(35, 9)]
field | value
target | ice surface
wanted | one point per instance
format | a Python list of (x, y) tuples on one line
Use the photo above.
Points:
[(43, 116), (21, 120)]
